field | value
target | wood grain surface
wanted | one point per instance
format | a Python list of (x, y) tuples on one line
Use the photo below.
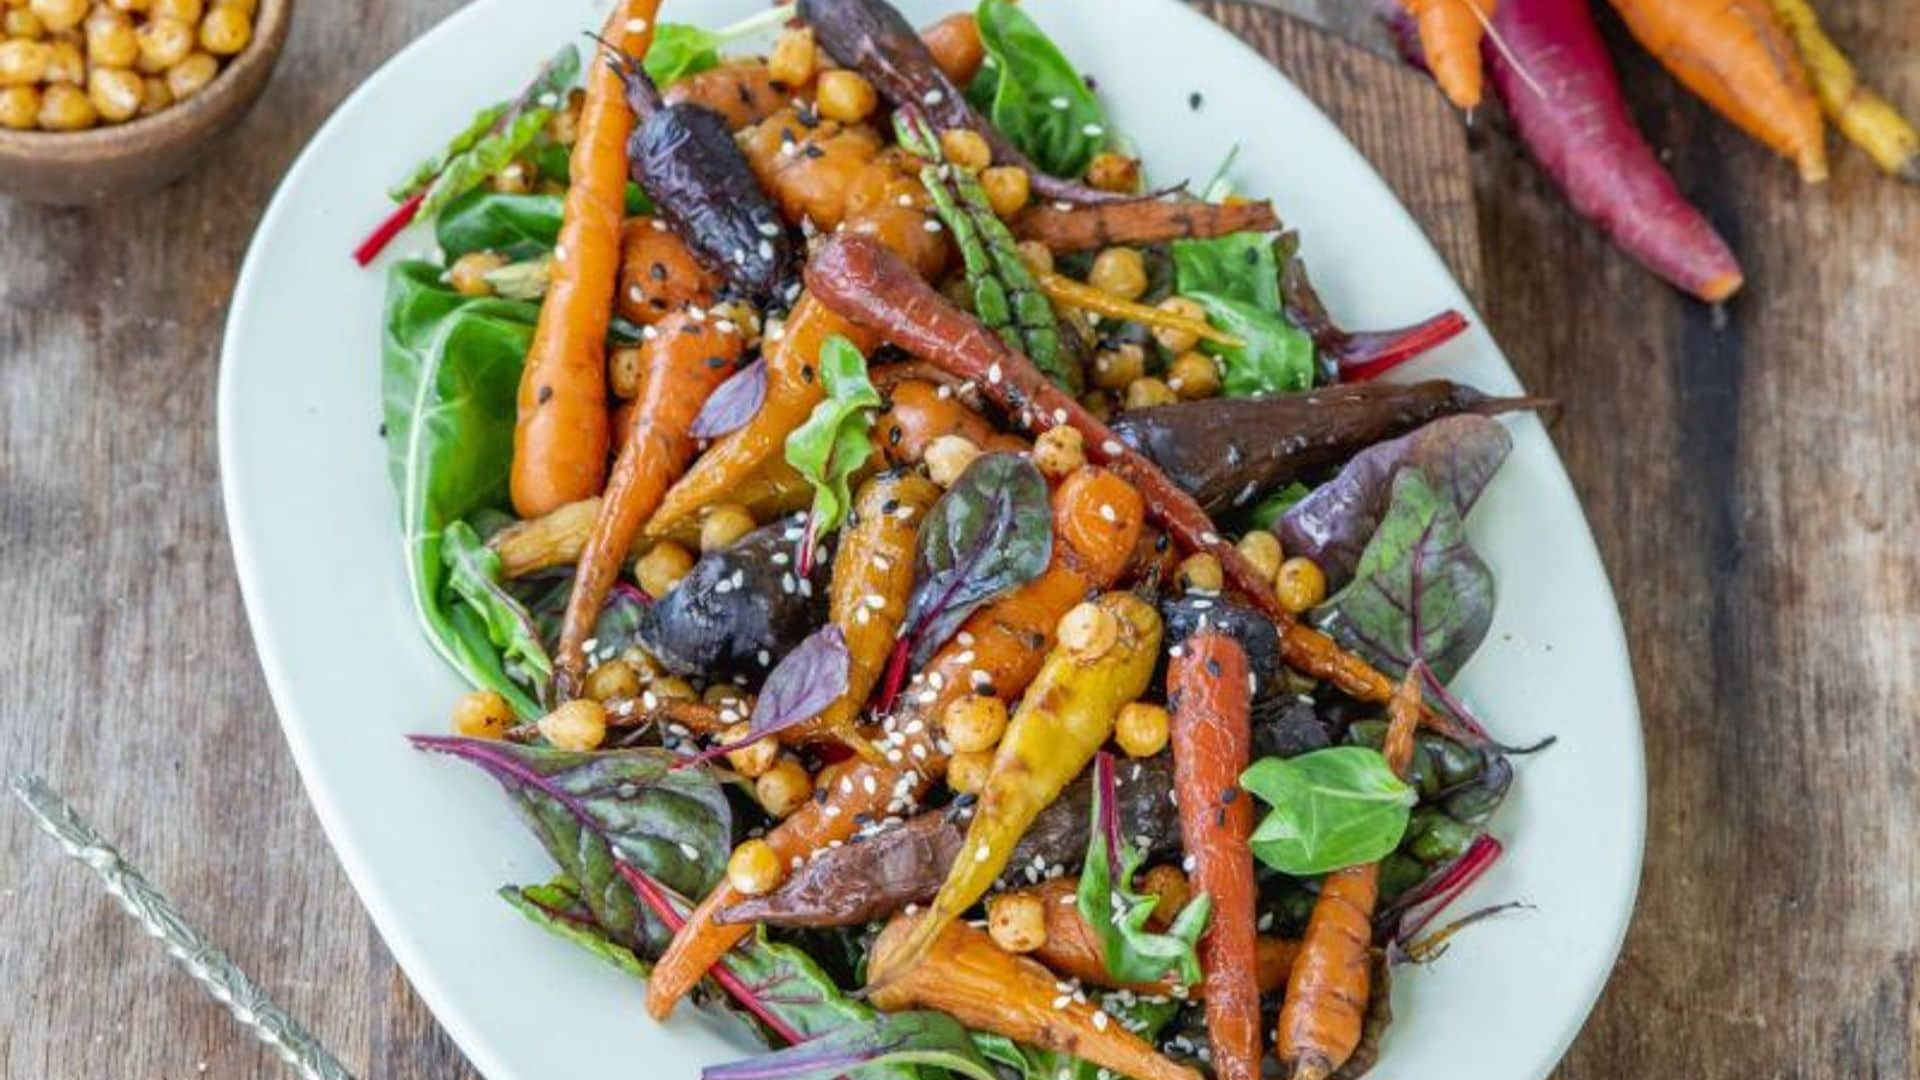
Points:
[(1749, 475)]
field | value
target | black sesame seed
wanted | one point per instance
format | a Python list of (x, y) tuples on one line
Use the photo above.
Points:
[(545, 393)]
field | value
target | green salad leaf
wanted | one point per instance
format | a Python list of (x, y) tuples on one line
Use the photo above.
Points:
[(450, 378), (423, 173), (680, 49), (902, 1039), (1332, 808), (473, 573), (520, 227), (1146, 1017), (558, 908), (1118, 914), (1270, 510), (1276, 357), (496, 136), (833, 441), (1239, 266), (1420, 592), (1033, 94)]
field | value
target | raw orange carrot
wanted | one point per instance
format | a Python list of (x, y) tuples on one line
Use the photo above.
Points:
[(1209, 692), (683, 364), (998, 651), (560, 440), (1329, 986), (1450, 32), (1737, 59)]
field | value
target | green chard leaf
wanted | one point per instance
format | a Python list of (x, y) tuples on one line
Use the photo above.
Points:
[(1118, 914), (1276, 357), (902, 1039), (423, 173), (473, 573), (1332, 808), (1034, 95), (494, 137), (470, 169), (833, 441), (450, 379), (558, 908), (1420, 591), (592, 811)]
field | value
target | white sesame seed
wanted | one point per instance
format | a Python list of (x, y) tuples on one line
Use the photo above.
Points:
[(636, 26), (1059, 102), (1093, 131)]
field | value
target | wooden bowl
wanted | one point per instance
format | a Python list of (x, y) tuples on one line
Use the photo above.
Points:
[(75, 168)]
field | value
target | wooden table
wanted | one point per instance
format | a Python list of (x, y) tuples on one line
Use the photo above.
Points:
[(1750, 476)]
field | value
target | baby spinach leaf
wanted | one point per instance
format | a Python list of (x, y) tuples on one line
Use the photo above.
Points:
[(833, 442), (1276, 357), (1332, 809), (1239, 266), (1030, 91), (593, 810), (1118, 914), (991, 533), (889, 1039), (521, 227), (450, 377), (733, 402), (680, 50), (473, 573), (1420, 591), (1458, 455), (802, 684), (558, 908)]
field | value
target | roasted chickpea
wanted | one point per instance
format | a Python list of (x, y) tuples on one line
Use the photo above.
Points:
[(1179, 341), (644, 665), (190, 76), (793, 57), (1262, 549), (162, 43), (784, 788), (516, 178), (154, 95), (1201, 572), (110, 39), (1148, 392), (1017, 922), (723, 525), (845, 96), (1193, 376), (580, 724), (116, 93), (19, 107), (1301, 584), (468, 274), (672, 688), (754, 868), (966, 149), (662, 567), (245, 7), (131, 7), (482, 714), (974, 723), (187, 11), (947, 457), (23, 63), (22, 24), (1088, 630), (563, 126), (967, 773), (612, 681), (1008, 188), (1120, 271), (1060, 450), (64, 107), (1099, 404), (226, 30), (623, 369), (754, 759), (1170, 886), (1037, 256), (58, 15), (1116, 369), (1109, 171), (1141, 729)]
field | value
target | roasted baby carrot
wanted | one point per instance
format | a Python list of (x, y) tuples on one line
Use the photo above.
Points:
[(1737, 59), (1328, 989), (1153, 221), (965, 975), (919, 412), (560, 439), (997, 651), (658, 273), (682, 366), (1211, 699)]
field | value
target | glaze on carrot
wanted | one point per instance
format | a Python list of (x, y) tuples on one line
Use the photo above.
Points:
[(560, 440)]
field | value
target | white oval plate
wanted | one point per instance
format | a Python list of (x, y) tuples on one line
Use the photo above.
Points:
[(426, 841)]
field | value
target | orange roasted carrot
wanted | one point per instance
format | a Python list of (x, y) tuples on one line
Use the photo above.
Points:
[(560, 440), (997, 651), (1328, 989), (1150, 221), (919, 412), (1211, 700), (658, 273), (682, 365), (1736, 58), (1450, 32)]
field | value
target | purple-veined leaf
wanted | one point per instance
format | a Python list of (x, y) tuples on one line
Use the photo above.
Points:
[(1458, 455), (889, 1039), (1118, 914), (989, 534), (733, 402), (802, 684)]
